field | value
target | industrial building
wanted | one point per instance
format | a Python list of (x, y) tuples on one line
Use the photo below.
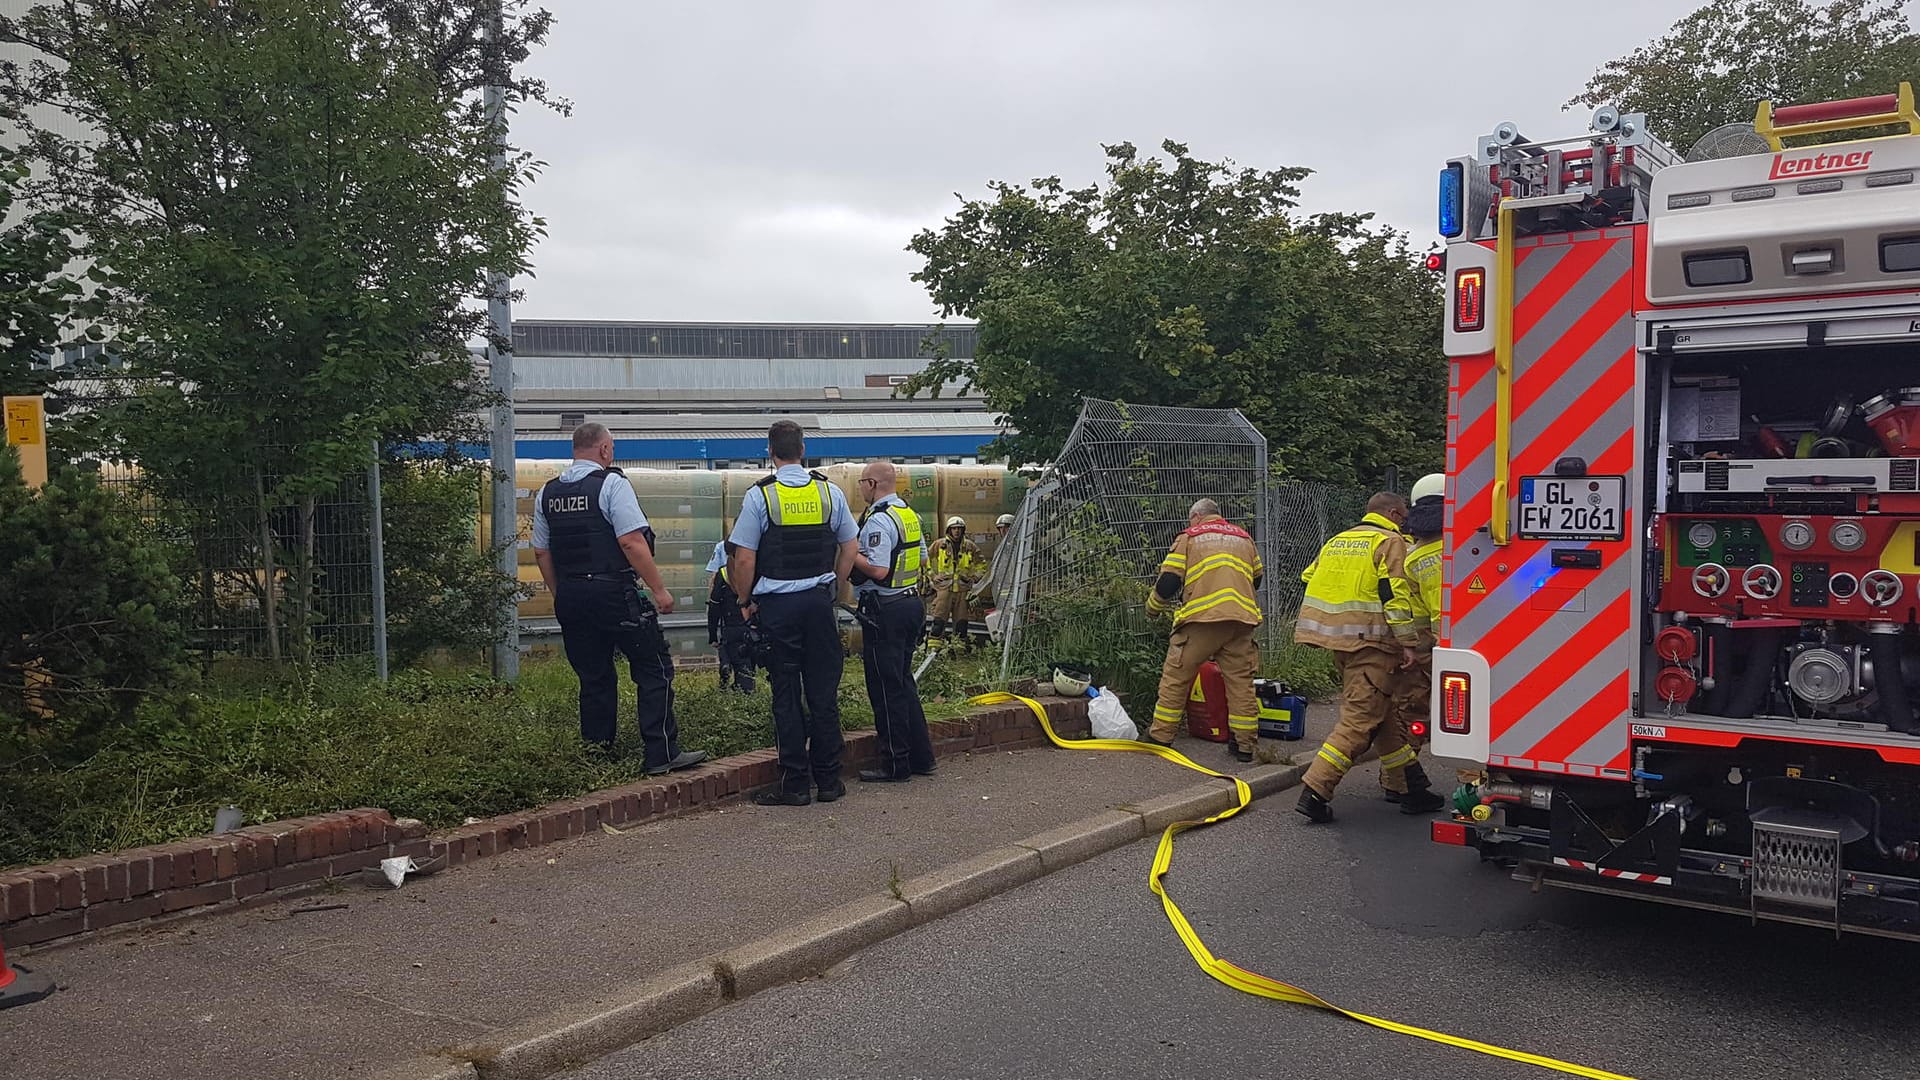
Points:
[(700, 395)]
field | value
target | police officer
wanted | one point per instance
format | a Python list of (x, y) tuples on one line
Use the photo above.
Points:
[(727, 632), (886, 576), (593, 545), (793, 542), (1359, 606)]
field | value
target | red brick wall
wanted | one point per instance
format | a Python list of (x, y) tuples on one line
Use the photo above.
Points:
[(59, 900)]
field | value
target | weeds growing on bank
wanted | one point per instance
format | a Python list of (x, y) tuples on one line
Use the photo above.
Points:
[(435, 746)]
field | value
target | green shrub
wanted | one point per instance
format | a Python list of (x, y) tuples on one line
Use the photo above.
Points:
[(89, 625)]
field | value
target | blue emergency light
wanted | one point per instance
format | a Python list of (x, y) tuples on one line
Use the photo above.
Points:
[(1453, 188)]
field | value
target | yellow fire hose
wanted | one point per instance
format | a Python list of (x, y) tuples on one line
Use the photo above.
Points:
[(1238, 977)]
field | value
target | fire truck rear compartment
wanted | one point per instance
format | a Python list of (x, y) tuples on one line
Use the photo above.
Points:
[(1785, 831), (1784, 575)]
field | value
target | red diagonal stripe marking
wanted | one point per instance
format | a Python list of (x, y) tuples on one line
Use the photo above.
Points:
[(1566, 661), (1540, 299), (1499, 640), (1575, 731)]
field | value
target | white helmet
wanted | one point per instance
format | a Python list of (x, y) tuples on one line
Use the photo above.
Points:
[(1429, 485), (1071, 683), (1004, 521), (956, 520)]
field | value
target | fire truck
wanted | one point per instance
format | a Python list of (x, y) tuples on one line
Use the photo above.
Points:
[(1682, 578)]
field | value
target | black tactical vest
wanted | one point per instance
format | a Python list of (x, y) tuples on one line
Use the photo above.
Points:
[(578, 534), (798, 544)]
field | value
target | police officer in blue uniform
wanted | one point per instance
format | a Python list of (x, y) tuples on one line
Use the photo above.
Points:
[(727, 631), (594, 545), (793, 543), (886, 577)]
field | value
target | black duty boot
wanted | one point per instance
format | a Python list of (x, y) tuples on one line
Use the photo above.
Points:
[(1422, 801), (1237, 754), (1392, 796), (1315, 808)]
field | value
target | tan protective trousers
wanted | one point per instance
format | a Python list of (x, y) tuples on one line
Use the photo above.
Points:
[(1412, 697), (1229, 644), (950, 604), (1368, 680)]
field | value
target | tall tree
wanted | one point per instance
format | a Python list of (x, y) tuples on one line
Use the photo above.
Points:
[(1185, 282), (37, 294), (1714, 66), (292, 218)]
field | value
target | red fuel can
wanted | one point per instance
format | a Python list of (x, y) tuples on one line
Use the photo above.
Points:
[(1207, 705)]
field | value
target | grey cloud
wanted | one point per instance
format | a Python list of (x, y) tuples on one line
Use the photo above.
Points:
[(769, 161)]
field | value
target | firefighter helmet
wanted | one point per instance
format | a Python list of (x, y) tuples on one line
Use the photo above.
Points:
[(1432, 484), (956, 522), (1004, 521)]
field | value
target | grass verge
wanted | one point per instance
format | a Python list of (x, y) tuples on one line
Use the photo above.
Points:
[(441, 747)]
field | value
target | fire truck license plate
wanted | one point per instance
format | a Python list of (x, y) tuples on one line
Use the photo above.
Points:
[(1573, 507)]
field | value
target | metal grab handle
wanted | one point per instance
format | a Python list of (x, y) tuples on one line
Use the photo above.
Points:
[(1777, 125)]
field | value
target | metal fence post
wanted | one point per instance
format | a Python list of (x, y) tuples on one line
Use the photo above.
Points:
[(376, 527), (506, 531)]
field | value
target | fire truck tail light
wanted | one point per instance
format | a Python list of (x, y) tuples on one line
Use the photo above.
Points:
[(1469, 300), (1453, 188), (1456, 708), (1450, 832)]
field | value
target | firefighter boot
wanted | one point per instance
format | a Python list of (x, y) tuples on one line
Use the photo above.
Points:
[(1315, 808), (1419, 798)]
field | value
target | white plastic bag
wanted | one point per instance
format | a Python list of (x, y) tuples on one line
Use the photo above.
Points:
[(1109, 718)]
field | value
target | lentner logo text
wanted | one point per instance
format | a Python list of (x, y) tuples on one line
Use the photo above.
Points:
[(1793, 168)]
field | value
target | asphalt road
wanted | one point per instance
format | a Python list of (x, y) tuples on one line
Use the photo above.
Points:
[(1079, 975)]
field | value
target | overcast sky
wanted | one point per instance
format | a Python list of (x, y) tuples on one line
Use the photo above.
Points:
[(767, 160)]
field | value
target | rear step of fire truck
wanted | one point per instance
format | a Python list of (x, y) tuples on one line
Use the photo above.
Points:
[(1685, 646)]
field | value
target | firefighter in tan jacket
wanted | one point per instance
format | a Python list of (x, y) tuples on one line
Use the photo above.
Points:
[(1359, 606), (1414, 690), (1213, 571)]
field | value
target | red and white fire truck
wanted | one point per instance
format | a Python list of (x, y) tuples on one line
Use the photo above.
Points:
[(1682, 618)]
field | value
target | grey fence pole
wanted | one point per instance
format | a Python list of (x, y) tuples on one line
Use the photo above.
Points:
[(506, 650), (376, 526)]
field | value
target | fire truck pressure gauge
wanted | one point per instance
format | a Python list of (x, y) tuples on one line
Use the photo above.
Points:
[(1703, 534), (1797, 535), (1848, 536)]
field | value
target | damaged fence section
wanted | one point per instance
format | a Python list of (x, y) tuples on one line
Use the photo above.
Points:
[(1092, 530)]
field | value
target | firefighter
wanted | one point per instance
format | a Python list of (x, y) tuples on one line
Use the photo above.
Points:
[(727, 632), (794, 540), (1415, 686), (594, 547), (1359, 606), (886, 579), (1214, 571), (956, 567)]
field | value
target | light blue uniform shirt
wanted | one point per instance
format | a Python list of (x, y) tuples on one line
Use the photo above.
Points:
[(719, 558), (617, 503), (753, 523), (877, 542)]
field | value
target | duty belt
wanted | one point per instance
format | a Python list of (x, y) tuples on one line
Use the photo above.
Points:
[(628, 576)]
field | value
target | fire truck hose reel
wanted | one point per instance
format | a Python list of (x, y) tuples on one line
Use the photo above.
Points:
[(1231, 974)]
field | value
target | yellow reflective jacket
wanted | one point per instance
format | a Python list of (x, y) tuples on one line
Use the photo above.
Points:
[(1423, 570), (1218, 565), (955, 565), (1358, 595)]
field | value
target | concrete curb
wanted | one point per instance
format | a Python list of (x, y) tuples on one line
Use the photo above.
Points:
[(566, 1040)]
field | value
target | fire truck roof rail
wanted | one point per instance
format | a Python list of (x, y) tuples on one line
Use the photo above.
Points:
[(1777, 124)]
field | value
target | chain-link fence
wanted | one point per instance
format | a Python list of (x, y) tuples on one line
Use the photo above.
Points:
[(275, 566), (1089, 537)]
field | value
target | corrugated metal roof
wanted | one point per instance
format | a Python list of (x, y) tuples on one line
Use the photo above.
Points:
[(723, 373)]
